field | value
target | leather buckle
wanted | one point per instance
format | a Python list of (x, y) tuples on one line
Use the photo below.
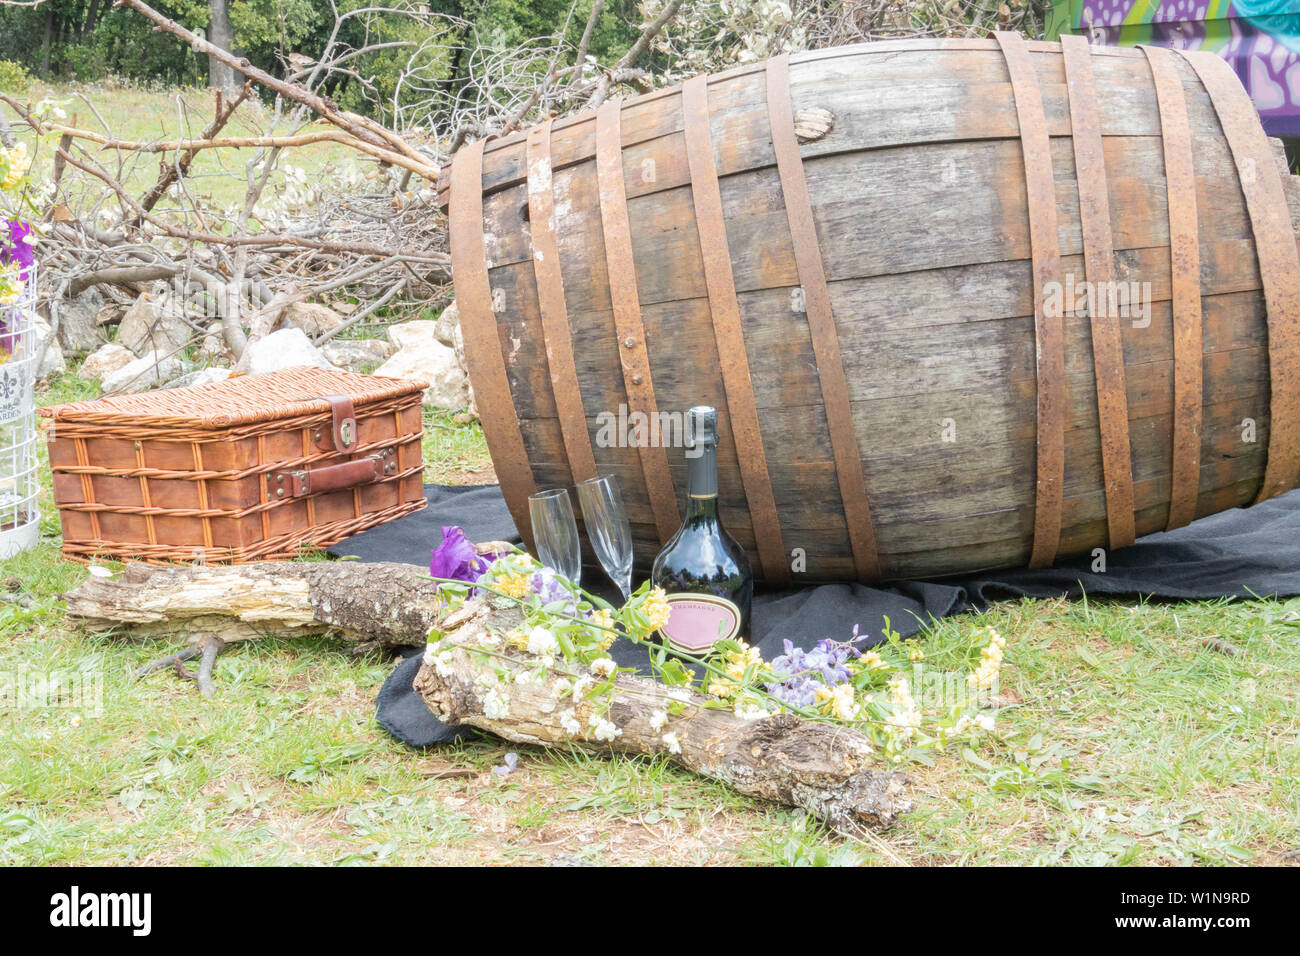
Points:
[(342, 434)]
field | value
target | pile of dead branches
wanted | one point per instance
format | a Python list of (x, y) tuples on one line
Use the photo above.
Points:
[(122, 216)]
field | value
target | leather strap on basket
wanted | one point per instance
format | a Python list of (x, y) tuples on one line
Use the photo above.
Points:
[(821, 321), (342, 433), (1185, 283), (554, 311), (727, 330), (1049, 345), (483, 354), (1099, 268), (626, 302), (1279, 263)]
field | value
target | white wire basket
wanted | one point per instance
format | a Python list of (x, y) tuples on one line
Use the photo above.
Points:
[(19, 485)]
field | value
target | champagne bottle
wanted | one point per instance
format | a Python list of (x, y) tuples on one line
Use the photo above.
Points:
[(702, 568)]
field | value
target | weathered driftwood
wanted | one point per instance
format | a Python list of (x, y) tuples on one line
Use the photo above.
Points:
[(376, 604), (829, 771)]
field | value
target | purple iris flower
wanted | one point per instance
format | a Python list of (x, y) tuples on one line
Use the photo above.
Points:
[(14, 248), (456, 558)]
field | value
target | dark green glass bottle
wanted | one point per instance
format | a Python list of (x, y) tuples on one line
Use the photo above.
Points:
[(702, 568)]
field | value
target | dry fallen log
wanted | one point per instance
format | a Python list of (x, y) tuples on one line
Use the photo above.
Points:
[(376, 604), (828, 770)]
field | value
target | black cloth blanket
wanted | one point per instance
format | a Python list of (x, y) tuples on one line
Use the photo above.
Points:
[(1242, 553)]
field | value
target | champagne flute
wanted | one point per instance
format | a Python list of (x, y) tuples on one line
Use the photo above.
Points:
[(555, 533), (608, 529)]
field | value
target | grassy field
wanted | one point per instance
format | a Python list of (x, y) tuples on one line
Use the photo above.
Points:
[(1125, 740), (130, 113)]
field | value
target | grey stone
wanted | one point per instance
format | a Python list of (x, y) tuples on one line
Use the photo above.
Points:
[(79, 330), (149, 327), (357, 355), (142, 374)]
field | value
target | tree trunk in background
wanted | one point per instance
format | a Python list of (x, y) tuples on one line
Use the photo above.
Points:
[(47, 42), (220, 75)]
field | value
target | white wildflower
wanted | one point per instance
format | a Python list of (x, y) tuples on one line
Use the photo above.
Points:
[(671, 742), (580, 687), (843, 705), (986, 722), (603, 666), (748, 710), (496, 705), (562, 687), (603, 729), (442, 664), (657, 720), (569, 722), (542, 642)]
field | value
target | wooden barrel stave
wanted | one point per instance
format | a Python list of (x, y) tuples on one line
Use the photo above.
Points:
[(903, 291)]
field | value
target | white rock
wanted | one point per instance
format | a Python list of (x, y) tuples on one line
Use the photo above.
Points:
[(143, 374), (147, 327), (358, 355), (447, 327), (203, 376), (313, 319), (436, 364), (54, 361), (413, 333), (284, 349), (108, 358)]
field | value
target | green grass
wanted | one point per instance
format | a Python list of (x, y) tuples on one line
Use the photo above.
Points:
[(1123, 740), (129, 113)]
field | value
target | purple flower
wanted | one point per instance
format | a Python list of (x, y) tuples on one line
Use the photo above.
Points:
[(511, 762), (456, 558), (15, 249), (803, 672)]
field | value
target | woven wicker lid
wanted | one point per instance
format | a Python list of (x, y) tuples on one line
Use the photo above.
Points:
[(241, 400)]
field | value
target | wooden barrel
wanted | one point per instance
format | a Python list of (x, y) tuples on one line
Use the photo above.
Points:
[(873, 260)]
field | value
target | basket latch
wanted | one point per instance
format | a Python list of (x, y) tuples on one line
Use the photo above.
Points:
[(342, 435)]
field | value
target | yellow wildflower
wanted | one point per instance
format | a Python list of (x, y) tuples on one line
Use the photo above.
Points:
[(872, 661), (16, 163), (603, 619), (11, 287), (514, 585), (656, 608), (721, 688), (990, 665)]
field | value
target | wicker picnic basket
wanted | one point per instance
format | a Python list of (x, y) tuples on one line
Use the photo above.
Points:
[(256, 467)]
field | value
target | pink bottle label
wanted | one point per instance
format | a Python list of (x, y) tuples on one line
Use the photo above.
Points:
[(697, 621)]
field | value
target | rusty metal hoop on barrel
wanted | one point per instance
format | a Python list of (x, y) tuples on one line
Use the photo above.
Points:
[(1279, 263), (711, 226), (821, 322), (1049, 345), (1099, 269), (551, 305), (1185, 283), (483, 353), (625, 299)]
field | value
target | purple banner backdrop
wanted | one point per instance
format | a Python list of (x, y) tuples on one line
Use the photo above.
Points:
[(1260, 38)]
